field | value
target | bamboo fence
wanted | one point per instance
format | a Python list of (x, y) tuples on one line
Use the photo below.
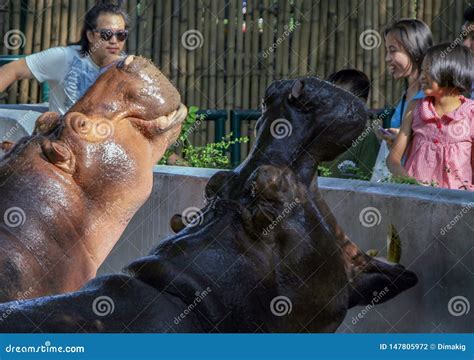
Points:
[(222, 54)]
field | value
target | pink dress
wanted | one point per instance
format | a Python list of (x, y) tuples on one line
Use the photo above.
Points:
[(440, 150)]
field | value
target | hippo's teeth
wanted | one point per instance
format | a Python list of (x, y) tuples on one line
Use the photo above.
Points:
[(162, 122)]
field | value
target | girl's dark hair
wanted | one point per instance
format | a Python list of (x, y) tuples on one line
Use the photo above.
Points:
[(415, 37), (90, 21), (450, 65), (352, 80)]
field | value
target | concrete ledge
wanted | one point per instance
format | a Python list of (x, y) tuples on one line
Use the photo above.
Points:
[(436, 227)]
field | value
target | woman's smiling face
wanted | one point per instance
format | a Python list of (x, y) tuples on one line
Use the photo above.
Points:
[(397, 58)]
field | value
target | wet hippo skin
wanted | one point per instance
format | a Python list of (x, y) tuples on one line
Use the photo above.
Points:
[(68, 191), (265, 239)]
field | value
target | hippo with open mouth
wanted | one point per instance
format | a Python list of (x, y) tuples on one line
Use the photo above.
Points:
[(264, 255), (68, 192)]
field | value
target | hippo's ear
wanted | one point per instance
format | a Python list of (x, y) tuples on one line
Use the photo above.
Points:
[(296, 90), (6, 145), (374, 281), (46, 123)]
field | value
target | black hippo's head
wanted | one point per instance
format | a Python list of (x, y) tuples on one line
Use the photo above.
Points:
[(304, 122), (307, 117)]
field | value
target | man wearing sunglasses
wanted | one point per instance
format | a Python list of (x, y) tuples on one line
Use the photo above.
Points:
[(71, 70)]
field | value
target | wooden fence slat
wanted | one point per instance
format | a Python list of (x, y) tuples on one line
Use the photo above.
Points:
[(220, 88), (64, 29), (182, 58), (191, 58), (239, 75), (247, 65), (231, 58), (72, 25), (15, 26), (255, 71)]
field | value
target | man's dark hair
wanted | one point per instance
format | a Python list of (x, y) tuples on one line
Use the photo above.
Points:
[(352, 80), (451, 67), (469, 14), (90, 21), (415, 37)]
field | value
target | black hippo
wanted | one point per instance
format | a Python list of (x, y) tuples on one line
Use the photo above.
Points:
[(265, 254)]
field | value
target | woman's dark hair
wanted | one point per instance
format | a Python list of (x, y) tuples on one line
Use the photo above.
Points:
[(415, 37), (352, 80), (450, 65), (90, 21)]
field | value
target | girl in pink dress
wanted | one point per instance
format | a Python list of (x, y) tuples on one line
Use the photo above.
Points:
[(438, 130)]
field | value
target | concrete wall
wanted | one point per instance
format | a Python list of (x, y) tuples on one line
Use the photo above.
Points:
[(14, 123), (443, 258)]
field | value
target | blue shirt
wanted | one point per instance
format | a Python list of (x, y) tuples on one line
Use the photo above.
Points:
[(395, 121)]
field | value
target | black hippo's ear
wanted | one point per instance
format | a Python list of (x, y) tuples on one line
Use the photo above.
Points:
[(374, 281), (296, 90), (380, 282)]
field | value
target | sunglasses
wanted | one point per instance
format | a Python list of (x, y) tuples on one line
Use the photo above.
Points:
[(107, 34)]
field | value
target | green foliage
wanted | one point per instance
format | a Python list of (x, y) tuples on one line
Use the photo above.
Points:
[(324, 171), (212, 155), (407, 180)]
